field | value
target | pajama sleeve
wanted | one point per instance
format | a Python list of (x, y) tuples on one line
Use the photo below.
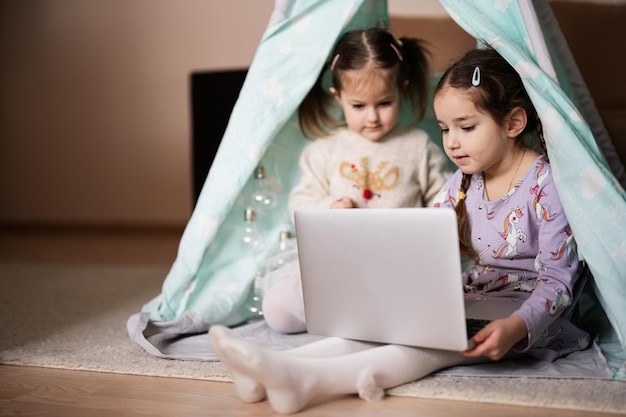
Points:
[(556, 265)]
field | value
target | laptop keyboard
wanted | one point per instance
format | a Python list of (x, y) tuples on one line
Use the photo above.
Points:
[(474, 325)]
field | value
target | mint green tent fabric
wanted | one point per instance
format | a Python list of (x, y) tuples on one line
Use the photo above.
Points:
[(214, 270)]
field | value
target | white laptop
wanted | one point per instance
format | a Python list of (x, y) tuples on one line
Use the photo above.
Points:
[(388, 275)]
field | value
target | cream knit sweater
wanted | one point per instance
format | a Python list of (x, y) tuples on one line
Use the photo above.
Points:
[(402, 169)]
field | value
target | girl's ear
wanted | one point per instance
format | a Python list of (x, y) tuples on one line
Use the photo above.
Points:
[(516, 122), (335, 93)]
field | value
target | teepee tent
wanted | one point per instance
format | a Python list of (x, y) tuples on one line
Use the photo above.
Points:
[(213, 271)]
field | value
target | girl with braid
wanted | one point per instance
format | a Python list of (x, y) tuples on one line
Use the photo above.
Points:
[(512, 225), (512, 228)]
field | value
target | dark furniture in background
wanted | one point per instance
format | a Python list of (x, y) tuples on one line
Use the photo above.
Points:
[(213, 95)]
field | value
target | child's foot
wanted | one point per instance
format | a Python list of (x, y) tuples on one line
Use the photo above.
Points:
[(248, 390), (288, 386)]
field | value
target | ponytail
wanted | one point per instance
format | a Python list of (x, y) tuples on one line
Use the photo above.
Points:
[(415, 69), (313, 115)]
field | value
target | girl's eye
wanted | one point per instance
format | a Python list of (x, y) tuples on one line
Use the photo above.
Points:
[(444, 131), (357, 106), (385, 104), (468, 128)]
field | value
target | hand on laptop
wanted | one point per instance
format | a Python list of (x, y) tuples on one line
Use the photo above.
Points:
[(498, 337), (344, 203)]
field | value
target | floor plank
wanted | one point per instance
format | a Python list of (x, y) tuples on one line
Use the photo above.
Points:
[(32, 391)]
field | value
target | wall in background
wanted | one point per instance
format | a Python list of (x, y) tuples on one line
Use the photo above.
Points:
[(94, 103)]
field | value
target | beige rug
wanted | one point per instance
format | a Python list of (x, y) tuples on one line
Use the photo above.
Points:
[(74, 317)]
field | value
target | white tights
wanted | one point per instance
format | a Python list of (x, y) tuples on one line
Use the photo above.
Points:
[(293, 379), (283, 305)]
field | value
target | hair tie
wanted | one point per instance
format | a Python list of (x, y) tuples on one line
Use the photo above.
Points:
[(460, 196), (332, 65), (395, 48), (476, 77)]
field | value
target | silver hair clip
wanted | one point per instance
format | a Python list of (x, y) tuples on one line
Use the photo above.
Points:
[(476, 77)]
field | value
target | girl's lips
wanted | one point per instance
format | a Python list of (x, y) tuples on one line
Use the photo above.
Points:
[(461, 158)]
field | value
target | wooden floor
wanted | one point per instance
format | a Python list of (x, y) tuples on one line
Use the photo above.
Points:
[(30, 391)]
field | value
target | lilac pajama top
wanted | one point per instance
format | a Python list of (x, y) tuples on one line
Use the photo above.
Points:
[(527, 252)]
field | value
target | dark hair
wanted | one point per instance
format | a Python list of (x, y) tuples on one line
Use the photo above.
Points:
[(358, 49), (499, 91)]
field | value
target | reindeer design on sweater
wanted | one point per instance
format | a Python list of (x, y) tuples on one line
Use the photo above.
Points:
[(370, 183)]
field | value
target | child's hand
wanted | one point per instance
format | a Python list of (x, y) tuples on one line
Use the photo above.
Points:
[(498, 337), (343, 203)]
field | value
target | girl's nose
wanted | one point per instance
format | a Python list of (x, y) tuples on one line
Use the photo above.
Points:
[(450, 141), (372, 115)]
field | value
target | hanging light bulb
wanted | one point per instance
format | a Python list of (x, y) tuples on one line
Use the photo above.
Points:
[(263, 195), (251, 235), (252, 239)]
